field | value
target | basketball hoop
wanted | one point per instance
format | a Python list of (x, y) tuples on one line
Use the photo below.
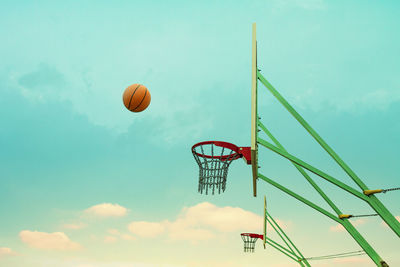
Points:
[(214, 158), (250, 241)]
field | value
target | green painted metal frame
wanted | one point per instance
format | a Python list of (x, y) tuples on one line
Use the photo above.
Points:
[(291, 251), (301, 165)]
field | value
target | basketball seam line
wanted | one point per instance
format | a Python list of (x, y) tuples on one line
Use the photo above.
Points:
[(141, 101), (132, 97)]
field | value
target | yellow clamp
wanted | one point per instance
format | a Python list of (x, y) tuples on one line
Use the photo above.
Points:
[(345, 216), (371, 192)]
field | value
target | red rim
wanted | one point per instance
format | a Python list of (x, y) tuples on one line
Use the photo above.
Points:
[(253, 235), (230, 146)]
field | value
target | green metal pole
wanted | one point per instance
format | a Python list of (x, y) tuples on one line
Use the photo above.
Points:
[(313, 169), (300, 198), (283, 250), (282, 247), (300, 256), (350, 228), (308, 178), (280, 235), (347, 225), (373, 201), (385, 214)]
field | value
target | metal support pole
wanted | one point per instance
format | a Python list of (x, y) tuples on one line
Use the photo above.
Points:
[(350, 228), (284, 237), (372, 200)]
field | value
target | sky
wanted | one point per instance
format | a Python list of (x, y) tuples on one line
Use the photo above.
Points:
[(87, 183)]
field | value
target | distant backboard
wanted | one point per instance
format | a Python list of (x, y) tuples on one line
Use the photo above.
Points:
[(254, 115), (265, 222)]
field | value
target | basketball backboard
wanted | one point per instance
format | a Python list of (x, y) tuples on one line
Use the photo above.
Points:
[(265, 222), (254, 115)]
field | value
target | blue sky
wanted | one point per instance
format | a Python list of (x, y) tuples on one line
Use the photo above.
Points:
[(70, 149)]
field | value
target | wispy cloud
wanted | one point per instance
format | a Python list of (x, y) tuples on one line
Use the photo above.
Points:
[(110, 239), (340, 228), (146, 229), (346, 101), (385, 224), (4, 251), (303, 4), (107, 210), (74, 226), (45, 83), (93, 263), (224, 219), (48, 241), (354, 260), (115, 235), (45, 76), (379, 99), (202, 222)]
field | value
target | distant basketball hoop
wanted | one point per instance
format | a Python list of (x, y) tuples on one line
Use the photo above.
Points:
[(214, 158), (250, 241)]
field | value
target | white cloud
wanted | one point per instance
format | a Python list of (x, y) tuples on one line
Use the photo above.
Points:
[(110, 239), (337, 228), (48, 241), (178, 230), (86, 90), (117, 234), (354, 260), (146, 229), (347, 101), (224, 219), (74, 226), (384, 224), (379, 99), (340, 228), (6, 252), (107, 210), (202, 222), (126, 237), (51, 262), (113, 231)]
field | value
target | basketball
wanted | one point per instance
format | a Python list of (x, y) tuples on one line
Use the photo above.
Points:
[(136, 97)]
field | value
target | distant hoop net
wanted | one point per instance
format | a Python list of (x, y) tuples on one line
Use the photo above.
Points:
[(250, 241), (214, 158)]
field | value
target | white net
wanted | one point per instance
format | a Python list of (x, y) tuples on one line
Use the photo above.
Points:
[(213, 162), (249, 242)]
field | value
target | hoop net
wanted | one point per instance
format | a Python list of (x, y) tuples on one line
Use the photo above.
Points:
[(250, 241), (214, 158)]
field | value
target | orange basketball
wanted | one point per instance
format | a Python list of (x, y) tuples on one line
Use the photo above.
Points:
[(136, 97)]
